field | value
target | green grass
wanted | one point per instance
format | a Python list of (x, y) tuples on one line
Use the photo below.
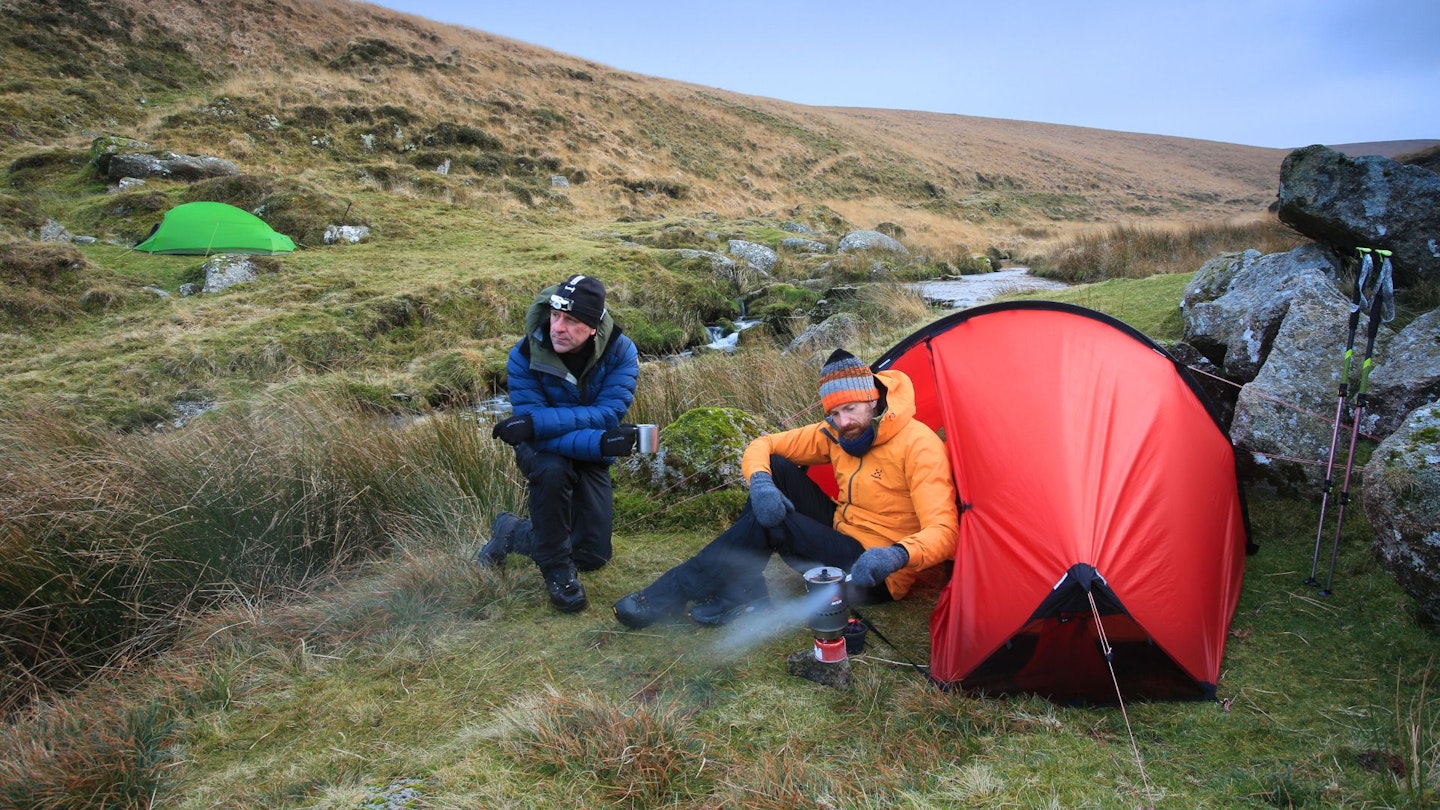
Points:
[(321, 686)]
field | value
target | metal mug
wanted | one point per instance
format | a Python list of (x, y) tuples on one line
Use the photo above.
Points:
[(649, 439)]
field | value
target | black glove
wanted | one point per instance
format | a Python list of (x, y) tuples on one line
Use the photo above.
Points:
[(875, 564), (767, 501), (514, 430), (619, 440)]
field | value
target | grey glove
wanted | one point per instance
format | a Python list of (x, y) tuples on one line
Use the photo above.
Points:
[(875, 564), (767, 501)]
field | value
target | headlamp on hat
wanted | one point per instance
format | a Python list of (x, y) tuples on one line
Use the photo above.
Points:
[(582, 297)]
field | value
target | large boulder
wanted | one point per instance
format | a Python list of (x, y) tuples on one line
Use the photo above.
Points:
[(1235, 303), (754, 254), (871, 240), (1410, 374), (1369, 201), (1401, 498), (169, 165), (835, 332), (1287, 411)]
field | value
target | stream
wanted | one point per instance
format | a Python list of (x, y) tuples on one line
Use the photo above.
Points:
[(968, 291)]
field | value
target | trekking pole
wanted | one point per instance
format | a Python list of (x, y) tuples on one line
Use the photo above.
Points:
[(1382, 308), (1356, 303)]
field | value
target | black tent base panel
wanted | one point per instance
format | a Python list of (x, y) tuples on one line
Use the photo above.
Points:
[(1144, 673)]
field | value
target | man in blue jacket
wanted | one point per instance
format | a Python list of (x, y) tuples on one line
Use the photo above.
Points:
[(571, 379)]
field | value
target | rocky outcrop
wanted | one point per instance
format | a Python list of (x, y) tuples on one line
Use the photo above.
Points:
[(723, 267), (1369, 201), (1234, 305), (1401, 498), (1276, 413), (170, 165)]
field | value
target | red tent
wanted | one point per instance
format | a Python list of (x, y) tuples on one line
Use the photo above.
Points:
[(1088, 464)]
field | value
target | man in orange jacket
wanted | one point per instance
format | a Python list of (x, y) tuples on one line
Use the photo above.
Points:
[(895, 514)]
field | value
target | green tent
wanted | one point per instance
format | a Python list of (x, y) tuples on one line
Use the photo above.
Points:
[(212, 227)]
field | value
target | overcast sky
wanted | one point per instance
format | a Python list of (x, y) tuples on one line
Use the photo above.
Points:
[(1277, 73)]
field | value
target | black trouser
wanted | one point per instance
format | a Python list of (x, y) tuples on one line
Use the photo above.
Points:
[(732, 567), (571, 512)]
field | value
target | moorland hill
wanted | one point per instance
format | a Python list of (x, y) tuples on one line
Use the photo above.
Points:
[(484, 168), (323, 89)]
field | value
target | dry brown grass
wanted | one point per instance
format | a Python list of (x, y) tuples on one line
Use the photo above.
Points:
[(950, 179)]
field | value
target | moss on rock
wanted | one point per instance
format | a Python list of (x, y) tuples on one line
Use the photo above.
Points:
[(700, 451)]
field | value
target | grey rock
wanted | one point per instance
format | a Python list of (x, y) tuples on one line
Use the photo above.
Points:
[(1369, 201), (1401, 498), (804, 245), (870, 240), (1409, 375), (839, 331), (349, 234), (223, 271), (1235, 304), (171, 165), (721, 265), (53, 231), (756, 255), (1276, 413)]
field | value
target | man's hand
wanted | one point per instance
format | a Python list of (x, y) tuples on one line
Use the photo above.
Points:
[(767, 501), (875, 564), (619, 440), (514, 430)]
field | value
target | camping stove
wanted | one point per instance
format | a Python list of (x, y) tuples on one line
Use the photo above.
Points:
[(826, 585)]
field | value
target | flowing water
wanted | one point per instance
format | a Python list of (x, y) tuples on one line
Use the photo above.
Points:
[(969, 291)]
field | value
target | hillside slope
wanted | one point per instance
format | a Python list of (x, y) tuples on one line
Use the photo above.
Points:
[(287, 87)]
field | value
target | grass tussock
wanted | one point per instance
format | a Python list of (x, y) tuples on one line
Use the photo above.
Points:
[(86, 755), (636, 754), (115, 542)]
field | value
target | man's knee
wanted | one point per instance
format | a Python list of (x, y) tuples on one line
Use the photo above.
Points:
[(549, 470)]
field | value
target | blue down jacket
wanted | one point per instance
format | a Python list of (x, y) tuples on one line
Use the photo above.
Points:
[(570, 414)]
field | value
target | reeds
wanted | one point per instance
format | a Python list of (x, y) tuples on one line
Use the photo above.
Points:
[(1131, 251)]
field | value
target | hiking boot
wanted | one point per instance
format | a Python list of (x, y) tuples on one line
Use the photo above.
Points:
[(719, 612), (501, 542), (636, 611), (566, 592)]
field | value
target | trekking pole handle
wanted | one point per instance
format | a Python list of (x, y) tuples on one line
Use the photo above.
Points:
[(1372, 329)]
